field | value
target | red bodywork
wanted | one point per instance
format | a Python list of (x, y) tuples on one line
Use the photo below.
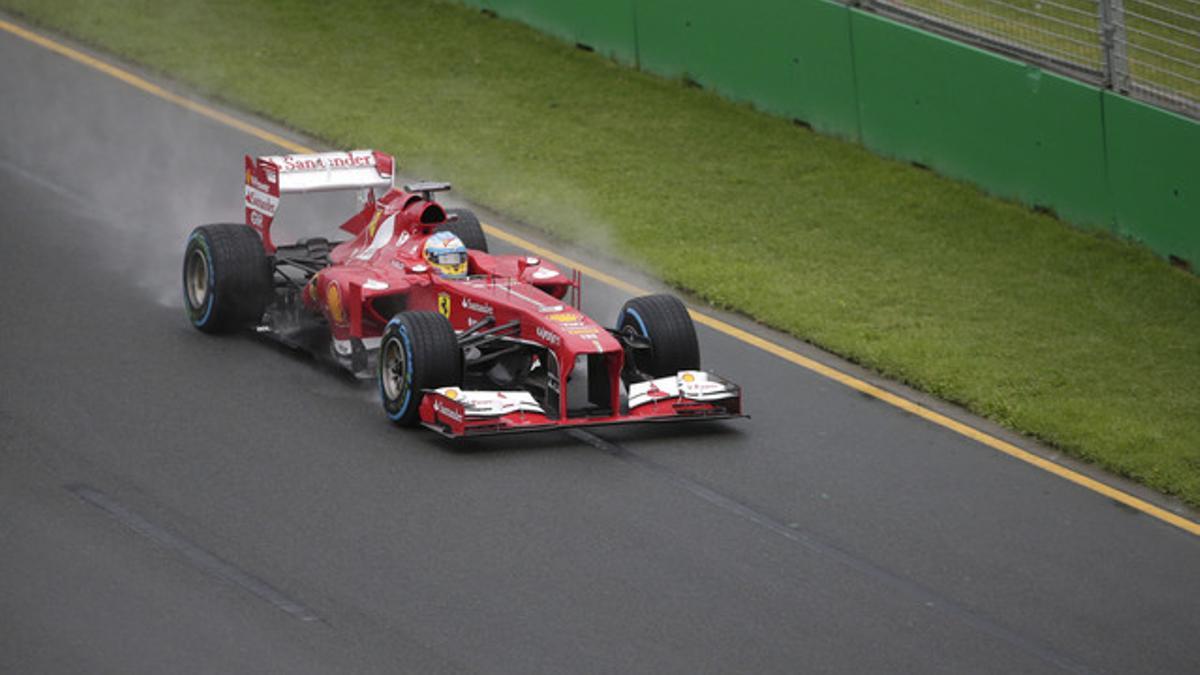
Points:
[(381, 271)]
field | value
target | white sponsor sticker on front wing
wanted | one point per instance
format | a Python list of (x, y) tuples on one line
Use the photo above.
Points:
[(695, 385), (491, 403)]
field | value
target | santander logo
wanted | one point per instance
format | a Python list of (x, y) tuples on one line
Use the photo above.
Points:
[(447, 411), (261, 201), (548, 336), (327, 161)]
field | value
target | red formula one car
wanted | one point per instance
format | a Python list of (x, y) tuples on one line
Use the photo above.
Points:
[(461, 341)]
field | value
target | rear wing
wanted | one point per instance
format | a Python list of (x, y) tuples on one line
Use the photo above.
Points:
[(270, 176)]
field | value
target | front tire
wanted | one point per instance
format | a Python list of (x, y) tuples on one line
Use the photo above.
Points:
[(662, 321), (226, 278), (418, 351), (466, 228)]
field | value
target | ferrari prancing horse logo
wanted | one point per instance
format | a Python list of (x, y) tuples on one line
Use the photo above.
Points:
[(444, 304), (374, 224), (333, 300)]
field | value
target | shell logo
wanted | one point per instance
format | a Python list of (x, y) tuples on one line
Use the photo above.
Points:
[(451, 394), (564, 318), (333, 300), (688, 377)]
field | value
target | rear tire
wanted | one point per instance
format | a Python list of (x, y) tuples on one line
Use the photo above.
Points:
[(226, 278), (466, 228), (418, 351), (664, 322)]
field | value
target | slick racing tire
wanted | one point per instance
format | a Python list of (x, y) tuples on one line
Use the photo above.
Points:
[(466, 228), (418, 351), (226, 278), (663, 321)]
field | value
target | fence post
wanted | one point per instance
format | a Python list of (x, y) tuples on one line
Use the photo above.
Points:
[(1114, 40)]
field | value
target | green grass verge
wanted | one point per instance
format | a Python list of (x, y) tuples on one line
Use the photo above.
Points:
[(1089, 343)]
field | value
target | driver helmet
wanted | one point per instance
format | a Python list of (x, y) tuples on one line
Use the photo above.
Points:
[(447, 254)]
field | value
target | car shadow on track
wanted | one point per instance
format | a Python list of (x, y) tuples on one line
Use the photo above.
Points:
[(501, 445), (650, 435), (314, 358)]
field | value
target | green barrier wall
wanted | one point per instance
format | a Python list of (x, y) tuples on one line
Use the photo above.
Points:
[(1154, 175), (1015, 130), (1093, 157), (786, 57), (606, 26)]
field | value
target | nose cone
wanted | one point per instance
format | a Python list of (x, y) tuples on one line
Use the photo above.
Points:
[(575, 331)]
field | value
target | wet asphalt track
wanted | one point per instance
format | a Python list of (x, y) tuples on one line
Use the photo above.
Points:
[(171, 502)]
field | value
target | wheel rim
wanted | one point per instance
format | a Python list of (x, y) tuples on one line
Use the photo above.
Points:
[(394, 370), (196, 280), (642, 358)]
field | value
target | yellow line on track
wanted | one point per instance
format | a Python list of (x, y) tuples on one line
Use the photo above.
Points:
[(712, 322)]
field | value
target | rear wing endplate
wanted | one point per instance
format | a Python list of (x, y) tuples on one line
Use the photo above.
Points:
[(270, 176)]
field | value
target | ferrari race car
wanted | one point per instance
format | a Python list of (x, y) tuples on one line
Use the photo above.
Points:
[(460, 341)]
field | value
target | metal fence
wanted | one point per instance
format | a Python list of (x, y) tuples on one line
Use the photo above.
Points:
[(1149, 49)]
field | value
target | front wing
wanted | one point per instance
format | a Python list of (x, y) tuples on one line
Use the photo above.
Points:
[(689, 395)]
